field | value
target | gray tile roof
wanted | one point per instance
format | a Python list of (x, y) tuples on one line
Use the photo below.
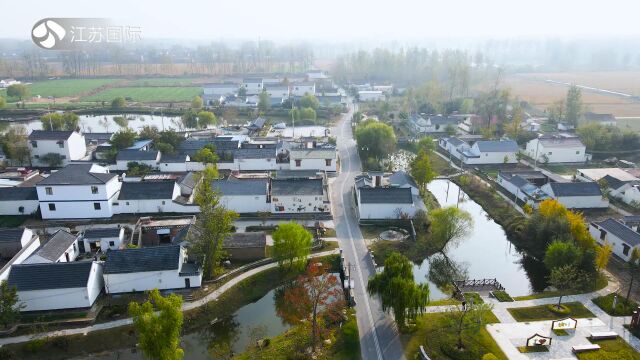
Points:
[(100, 233), (294, 187), (317, 153), (174, 159), (11, 235), (401, 178), (147, 190), (136, 155), (18, 193), (575, 189), (245, 240), (561, 142), (455, 141), (63, 275), (621, 231), (613, 183), (258, 123), (189, 180), (155, 258), (76, 174), (254, 154), (241, 187), (49, 135), (56, 246), (497, 146), (386, 196)]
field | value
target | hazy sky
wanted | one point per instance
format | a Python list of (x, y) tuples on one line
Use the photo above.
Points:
[(338, 19)]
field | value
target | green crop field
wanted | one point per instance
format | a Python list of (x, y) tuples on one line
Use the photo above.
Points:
[(162, 82), (147, 94), (65, 88)]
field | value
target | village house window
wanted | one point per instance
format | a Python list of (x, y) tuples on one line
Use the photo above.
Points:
[(603, 234), (327, 162), (48, 190), (96, 206), (52, 207), (162, 202), (116, 204), (578, 152), (111, 243), (550, 153), (298, 162), (94, 189), (34, 144), (625, 249), (61, 144)]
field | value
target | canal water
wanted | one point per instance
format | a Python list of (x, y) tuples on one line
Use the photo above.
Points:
[(105, 123), (485, 253)]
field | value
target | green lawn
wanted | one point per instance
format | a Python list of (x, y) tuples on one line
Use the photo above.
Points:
[(147, 94), (12, 221), (542, 312), (68, 87), (161, 82), (502, 296), (623, 308), (601, 283), (433, 331), (616, 349)]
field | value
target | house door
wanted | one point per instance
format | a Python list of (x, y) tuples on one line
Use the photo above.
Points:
[(187, 283), (66, 256)]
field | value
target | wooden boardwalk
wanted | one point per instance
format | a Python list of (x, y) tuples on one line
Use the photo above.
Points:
[(477, 285)]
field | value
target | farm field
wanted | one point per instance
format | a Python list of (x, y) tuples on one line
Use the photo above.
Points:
[(67, 88), (147, 94), (534, 89)]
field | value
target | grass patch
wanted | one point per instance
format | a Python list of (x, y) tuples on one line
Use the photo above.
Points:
[(147, 94), (623, 308), (600, 283), (612, 349), (560, 332), (543, 312), (67, 87), (383, 248), (441, 166), (502, 296), (533, 349), (439, 339)]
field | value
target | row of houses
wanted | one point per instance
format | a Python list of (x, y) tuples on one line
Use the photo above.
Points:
[(61, 275)]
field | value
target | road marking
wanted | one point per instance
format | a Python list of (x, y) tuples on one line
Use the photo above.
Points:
[(357, 262)]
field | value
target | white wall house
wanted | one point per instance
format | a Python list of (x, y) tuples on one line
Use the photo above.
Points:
[(157, 267), (27, 250), (146, 197), (102, 239), (371, 95), (244, 196), (150, 158), (303, 88), (431, 123), (313, 159), (375, 203), (577, 195), (277, 91), (622, 238), (453, 146), (62, 247), (18, 200), (628, 192), (557, 149), (12, 240), (298, 196), (595, 174), (253, 86), (70, 145), (173, 163), (491, 152), (521, 185), (78, 191), (57, 285)]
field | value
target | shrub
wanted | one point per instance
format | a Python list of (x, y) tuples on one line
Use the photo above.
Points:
[(502, 296), (560, 332), (34, 345), (489, 356), (561, 310), (60, 342)]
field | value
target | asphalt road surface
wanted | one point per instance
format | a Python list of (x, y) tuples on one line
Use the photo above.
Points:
[(378, 333)]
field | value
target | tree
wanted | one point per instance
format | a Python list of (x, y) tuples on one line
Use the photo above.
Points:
[(574, 105), (149, 132), (14, 144), (467, 316), (422, 171), (264, 103), (291, 245), (206, 118), (52, 159), (67, 121), (138, 169), (603, 255), (3, 102), (121, 121), (561, 253), (556, 111), (196, 103), (397, 289), (304, 114), (566, 279), (206, 155), (514, 128), (375, 139), (309, 101), (449, 224), (118, 103), (158, 322), (426, 144), (164, 148), (633, 265), (9, 306), (123, 139), (213, 224), (18, 90), (315, 291)]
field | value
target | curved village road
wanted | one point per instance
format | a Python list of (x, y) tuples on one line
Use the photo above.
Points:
[(379, 337), (185, 307)]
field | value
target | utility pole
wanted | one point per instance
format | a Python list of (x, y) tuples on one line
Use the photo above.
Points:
[(49, 110)]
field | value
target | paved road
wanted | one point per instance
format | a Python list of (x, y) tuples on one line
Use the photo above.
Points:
[(378, 333)]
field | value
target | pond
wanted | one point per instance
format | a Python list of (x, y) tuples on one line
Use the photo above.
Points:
[(105, 123), (304, 131), (485, 253), (266, 317)]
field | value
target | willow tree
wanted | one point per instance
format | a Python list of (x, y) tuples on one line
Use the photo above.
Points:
[(398, 290)]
